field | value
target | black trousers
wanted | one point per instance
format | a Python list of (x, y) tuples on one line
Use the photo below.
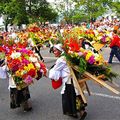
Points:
[(18, 96), (114, 51), (69, 100)]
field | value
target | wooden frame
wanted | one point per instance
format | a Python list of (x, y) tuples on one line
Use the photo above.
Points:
[(88, 76)]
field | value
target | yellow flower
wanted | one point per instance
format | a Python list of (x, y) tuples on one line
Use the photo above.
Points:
[(89, 54), (26, 68), (107, 39), (17, 73), (23, 72), (99, 59), (76, 54), (31, 66), (92, 36), (82, 50)]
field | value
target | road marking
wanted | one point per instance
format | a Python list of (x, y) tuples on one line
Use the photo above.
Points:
[(104, 95)]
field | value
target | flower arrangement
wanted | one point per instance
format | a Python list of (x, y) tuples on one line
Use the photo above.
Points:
[(86, 60), (10, 44), (33, 28), (24, 66), (103, 37), (36, 38), (94, 36)]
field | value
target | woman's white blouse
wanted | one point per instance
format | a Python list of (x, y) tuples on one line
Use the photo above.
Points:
[(61, 69)]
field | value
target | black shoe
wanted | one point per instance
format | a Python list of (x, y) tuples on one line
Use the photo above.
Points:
[(83, 116), (28, 109)]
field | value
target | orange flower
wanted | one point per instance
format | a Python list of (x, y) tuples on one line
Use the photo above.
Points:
[(74, 46)]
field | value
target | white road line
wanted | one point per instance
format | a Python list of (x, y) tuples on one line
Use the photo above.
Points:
[(105, 95)]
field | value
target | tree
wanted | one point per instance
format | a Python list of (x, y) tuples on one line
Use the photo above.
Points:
[(95, 8), (40, 9), (116, 7), (92, 8), (25, 11), (14, 12)]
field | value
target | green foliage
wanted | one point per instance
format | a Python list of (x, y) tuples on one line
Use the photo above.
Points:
[(91, 9), (80, 62), (24, 11), (40, 9), (82, 65), (116, 7), (100, 70), (2, 55)]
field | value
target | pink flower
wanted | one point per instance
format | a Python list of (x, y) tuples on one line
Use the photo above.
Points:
[(25, 61), (103, 39), (91, 60), (28, 80)]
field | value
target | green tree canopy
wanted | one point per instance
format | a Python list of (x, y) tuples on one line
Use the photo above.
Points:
[(26, 11)]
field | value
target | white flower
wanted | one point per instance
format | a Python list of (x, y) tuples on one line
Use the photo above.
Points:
[(96, 55), (37, 65), (15, 55), (33, 59)]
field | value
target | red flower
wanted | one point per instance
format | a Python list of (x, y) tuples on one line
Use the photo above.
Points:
[(24, 76), (43, 67), (74, 46), (14, 64), (32, 73), (1, 49)]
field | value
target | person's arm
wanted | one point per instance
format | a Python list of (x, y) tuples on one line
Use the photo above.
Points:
[(2, 63), (55, 72)]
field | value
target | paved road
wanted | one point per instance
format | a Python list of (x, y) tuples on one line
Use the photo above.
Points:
[(46, 102)]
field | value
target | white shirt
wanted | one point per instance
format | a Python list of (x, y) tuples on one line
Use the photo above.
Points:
[(61, 70), (3, 73), (11, 82)]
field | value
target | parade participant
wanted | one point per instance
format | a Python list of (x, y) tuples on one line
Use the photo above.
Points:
[(3, 74), (69, 91), (115, 47), (36, 48), (18, 98)]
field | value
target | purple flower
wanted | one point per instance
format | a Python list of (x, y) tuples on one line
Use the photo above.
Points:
[(23, 50), (25, 61), (103, 39), (91, 60), (28, 80), (80, 53)]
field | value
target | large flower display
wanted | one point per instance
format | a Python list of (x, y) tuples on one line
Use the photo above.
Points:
[(25, 67), (86, 59), (40, 35), (94, 36)]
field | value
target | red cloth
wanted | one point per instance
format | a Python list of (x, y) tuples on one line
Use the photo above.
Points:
[(57, 84), (115, 41)]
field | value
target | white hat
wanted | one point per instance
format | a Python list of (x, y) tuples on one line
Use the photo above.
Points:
[(59, 47)]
